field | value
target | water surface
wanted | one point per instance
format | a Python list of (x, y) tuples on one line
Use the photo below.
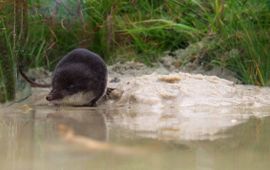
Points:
[(195, 139)]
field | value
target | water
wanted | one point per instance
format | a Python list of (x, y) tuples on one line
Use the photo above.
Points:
[(31, 138)]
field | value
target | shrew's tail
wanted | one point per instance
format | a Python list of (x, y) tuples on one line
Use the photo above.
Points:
[(31, 82)]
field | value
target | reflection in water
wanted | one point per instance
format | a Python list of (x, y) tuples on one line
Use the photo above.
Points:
[(28, 140), (189, 123), (247, 147), (83, 123), (221, 139), (16, 142)]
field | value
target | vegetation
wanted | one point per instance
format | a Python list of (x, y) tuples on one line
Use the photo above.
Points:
[(39, 33)]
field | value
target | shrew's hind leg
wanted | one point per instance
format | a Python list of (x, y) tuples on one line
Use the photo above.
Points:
[(93, 103)]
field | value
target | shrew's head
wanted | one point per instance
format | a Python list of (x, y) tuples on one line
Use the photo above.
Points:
[(70, 81)]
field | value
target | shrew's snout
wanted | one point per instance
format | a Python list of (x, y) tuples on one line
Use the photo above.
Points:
[(49, 97), (54, 95)]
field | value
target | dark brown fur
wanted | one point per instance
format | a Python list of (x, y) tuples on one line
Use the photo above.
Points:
[(80, 71)]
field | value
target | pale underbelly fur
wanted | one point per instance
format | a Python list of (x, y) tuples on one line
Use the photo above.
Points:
[(81, 98)]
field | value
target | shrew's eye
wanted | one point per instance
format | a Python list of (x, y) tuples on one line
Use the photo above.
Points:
[(71, 87)]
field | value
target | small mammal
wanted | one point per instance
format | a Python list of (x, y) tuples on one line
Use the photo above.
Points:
[(79, 79)]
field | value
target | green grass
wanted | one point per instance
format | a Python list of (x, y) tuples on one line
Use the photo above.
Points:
[(143, 30), (246, 30), (7, 66)]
